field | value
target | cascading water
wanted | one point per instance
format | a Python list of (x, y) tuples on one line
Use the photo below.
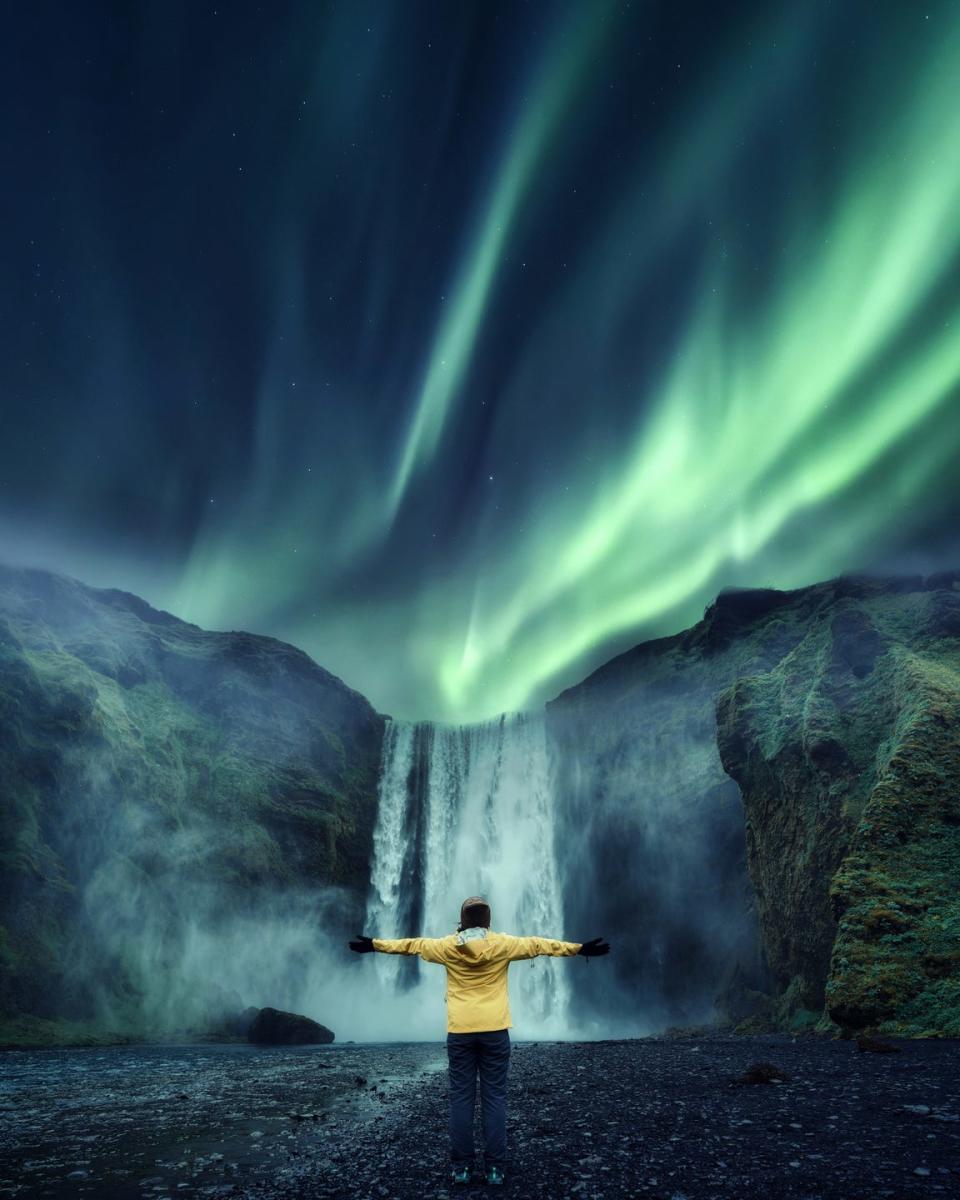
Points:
[(464, 810)]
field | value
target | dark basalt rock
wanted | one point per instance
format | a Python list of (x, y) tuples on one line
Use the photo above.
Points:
[(272, 1027), (876, 1045), (238, 1023), (763, 1072), (736, 608)]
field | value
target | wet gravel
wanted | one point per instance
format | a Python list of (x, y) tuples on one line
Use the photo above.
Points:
[(657, 1117)]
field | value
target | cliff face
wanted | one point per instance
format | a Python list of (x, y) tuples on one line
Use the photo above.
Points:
[(827, 888), (650, 834), (153, 776), (848, 757)]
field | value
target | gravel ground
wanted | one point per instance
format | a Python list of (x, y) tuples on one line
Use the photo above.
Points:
[(657, 1117)]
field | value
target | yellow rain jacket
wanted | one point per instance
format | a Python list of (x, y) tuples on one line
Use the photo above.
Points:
[(476, 971)]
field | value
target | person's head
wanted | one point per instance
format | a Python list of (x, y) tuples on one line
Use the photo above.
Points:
[(474, 912)]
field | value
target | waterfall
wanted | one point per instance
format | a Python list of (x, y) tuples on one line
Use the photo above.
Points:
[(464, 810)]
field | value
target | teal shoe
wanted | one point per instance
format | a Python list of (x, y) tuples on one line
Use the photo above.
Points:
[(495, 1176), (461, 1173)]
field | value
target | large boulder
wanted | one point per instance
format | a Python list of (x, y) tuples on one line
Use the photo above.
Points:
[(271, 1027)]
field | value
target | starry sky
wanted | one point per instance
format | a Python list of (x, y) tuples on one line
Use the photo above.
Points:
[(467, 343)]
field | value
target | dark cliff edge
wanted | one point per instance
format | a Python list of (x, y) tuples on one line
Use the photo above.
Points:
[(154, 775), (825, 894)]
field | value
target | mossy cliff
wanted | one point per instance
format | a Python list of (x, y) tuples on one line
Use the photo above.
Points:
[(149, 769), (827, 892), (848, 757)]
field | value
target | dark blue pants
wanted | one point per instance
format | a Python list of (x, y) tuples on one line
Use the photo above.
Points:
[(489, 1054)]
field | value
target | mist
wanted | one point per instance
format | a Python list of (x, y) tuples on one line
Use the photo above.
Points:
[(173, 943), (215, 816), (169, 943)]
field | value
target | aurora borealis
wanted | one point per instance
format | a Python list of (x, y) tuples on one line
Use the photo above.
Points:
[(467, 345)]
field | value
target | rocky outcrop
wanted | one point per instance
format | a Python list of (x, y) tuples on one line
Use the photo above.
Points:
[(824, 892), (271, 1027), (156, 780), (847, 754)]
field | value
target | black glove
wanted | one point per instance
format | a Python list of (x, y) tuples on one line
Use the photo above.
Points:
[(594, 947), (363, 944)]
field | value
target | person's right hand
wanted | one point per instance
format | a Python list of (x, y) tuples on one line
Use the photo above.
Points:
[(594, 947), (363, 944)]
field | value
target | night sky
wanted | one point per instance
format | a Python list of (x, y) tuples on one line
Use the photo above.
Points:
[(466, 344)]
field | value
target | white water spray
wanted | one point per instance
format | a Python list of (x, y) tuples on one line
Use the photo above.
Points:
[(465, 810)]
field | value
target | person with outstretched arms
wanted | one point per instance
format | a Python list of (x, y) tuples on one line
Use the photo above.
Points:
[(478, 1020)]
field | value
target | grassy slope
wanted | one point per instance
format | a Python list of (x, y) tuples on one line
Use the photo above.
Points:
[(896, 960), (133, 741)]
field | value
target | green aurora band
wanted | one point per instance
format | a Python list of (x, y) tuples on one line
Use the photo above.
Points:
[(554, 90), (799, 423)]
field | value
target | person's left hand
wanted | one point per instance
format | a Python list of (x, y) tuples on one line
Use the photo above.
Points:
[(594, 947), (363, 944)]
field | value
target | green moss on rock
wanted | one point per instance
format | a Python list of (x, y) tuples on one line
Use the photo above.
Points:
[(848, 757)]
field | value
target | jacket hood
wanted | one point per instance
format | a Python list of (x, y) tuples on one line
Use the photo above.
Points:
[(477, 945)]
